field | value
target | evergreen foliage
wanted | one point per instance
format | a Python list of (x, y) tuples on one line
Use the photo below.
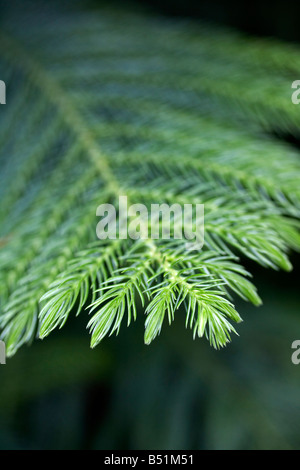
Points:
[(117, 103)]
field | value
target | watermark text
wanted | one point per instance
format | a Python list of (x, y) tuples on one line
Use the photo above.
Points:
[(159, 221), (2, 92)]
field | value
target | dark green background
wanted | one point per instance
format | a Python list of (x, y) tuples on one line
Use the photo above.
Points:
[(176, 393)]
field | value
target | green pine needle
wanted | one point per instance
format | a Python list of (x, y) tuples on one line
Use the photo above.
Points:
[(162, 112)]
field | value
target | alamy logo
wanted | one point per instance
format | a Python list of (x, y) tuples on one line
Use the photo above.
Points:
[(2, 92), (296, 94), (160, 221), (2, 353), (295, 356)]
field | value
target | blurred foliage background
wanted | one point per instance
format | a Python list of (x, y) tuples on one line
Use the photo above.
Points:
[(177, 393)]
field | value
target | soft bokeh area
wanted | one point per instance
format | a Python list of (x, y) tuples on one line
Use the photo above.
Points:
[(175, 394)]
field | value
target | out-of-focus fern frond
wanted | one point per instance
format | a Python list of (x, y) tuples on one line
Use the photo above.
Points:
[(115, 103)]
